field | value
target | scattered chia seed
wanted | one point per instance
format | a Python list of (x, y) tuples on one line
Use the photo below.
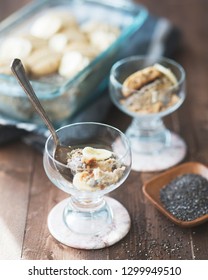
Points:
[(186, 197)]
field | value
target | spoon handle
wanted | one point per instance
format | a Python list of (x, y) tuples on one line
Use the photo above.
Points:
[(19, 72)]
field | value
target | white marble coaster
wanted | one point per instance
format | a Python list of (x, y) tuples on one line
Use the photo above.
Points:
[(166, 158), (118, 229)]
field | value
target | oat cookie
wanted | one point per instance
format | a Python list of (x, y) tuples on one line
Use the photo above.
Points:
[(150, 90), (140, 78)]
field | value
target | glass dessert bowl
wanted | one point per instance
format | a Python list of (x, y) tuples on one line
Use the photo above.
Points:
[(98, 162), (148, 89)]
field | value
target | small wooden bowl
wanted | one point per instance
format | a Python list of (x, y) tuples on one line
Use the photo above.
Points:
[(152, 188)]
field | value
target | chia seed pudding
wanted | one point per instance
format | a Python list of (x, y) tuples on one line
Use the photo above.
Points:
[(94, 169), (150, 90), (186, 197)]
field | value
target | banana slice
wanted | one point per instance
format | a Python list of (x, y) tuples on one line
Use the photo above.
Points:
[(82, 181), (36, 42), (167, 72), (50, 23), (47, 25), (15, 47), (78, 181), (90, 153), (101, 39), (71, 63), (43, 62), (59, 41)]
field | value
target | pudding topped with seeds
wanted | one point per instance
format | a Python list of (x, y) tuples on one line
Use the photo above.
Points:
[(150, 90), (93, 168)]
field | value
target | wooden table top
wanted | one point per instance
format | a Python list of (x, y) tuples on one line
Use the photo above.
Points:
[(27, 195)]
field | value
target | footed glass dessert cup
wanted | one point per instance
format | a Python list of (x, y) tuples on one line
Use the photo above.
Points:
[(149, 89), (98, 162)]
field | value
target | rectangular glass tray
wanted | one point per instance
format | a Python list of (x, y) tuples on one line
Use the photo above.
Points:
[(63, 99)]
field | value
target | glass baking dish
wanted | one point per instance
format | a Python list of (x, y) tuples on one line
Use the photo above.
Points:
[(62, 98)]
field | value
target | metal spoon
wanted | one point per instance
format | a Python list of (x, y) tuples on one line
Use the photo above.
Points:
[(20, 74)]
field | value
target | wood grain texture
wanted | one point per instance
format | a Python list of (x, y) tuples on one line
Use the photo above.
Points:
[(16, 168), (27, 195)]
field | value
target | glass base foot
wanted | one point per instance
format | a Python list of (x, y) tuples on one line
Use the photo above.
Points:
[(117, 229), (167, 157)]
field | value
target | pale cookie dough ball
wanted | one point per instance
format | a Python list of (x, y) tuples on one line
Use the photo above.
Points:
[(43, 62)]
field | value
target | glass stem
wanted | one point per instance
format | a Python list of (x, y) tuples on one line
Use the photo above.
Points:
[(87, 216), (148, 135)]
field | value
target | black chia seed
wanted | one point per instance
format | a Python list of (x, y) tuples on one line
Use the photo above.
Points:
[(186, 197)]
